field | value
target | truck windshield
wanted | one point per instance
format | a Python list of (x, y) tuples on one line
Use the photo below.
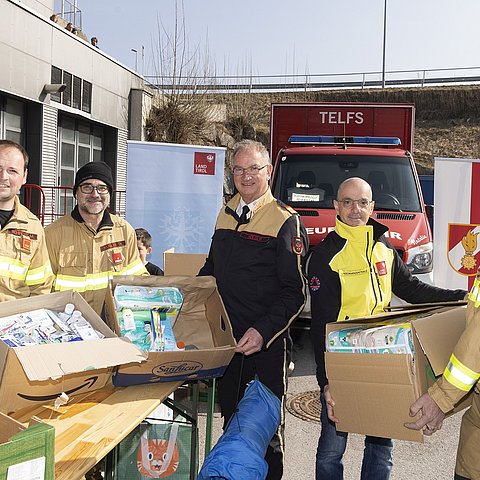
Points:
[(311, 181)]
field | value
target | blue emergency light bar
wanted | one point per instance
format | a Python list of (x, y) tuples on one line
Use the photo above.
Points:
[(334, 140)]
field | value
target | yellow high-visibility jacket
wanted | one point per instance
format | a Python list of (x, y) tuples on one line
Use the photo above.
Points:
[(24, 265), (85, 260), (460, 376)]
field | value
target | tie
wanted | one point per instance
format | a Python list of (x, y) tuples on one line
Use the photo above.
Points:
[(243, 217)]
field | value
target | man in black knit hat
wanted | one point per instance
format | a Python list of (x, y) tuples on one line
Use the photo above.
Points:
[(90, 245)]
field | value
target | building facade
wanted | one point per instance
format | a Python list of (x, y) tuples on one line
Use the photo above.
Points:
[(64, 100)]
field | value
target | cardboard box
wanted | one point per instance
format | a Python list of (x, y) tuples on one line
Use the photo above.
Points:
[(40, 373), (373, 392), (182, 263), (203, 322), (26, 452)]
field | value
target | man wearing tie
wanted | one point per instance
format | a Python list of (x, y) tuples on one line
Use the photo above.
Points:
[(255, 256)]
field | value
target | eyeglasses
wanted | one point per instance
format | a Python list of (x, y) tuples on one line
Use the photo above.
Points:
[(349, 203), (253, 170), (89, 188)]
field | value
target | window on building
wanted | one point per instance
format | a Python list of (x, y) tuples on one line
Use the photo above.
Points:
[(56, 78), (67, 93), (12, 118), (78, 93), (87, 97), (80, 142)]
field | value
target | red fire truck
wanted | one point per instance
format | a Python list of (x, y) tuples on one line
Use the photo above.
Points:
[(315, 146)]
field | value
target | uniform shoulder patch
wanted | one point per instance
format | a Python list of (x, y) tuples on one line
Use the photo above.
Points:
[(297, 245)]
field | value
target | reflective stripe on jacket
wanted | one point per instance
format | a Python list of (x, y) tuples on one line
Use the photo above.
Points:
[(84, 260), (24, 265), (460, 376)]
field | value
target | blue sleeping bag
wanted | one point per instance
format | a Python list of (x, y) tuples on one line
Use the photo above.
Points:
[(240, 451)]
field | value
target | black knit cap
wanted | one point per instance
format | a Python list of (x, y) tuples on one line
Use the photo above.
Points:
[(94, 170)]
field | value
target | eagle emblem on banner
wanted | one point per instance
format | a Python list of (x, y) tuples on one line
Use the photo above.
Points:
[(464, 248)]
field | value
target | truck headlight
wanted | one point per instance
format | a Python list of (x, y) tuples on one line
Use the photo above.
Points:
[(420, 259)]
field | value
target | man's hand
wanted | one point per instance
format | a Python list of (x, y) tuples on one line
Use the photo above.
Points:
[(330, 404), (251, 342), (432, 417)]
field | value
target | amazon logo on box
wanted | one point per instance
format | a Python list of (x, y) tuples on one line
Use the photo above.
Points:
[(41, 373)]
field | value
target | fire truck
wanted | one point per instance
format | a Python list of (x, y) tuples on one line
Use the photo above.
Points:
[(316, 146)]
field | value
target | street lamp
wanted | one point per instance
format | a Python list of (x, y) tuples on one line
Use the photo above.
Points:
[(384, 41), (136, 57)]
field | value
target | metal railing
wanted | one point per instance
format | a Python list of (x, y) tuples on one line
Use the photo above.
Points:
[(307, 82), (69, 12)]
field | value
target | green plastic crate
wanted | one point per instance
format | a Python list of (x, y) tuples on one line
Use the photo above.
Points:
[(20, 445)]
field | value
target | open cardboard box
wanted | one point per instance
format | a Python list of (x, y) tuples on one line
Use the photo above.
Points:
[(26, 452), (202, 322), (373, 392), (40, 373)]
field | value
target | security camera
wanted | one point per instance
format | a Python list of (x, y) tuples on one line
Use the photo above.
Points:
[(54, 87)]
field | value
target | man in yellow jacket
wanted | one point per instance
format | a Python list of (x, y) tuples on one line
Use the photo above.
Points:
[(460, 376), (24, 265), (89, 246)]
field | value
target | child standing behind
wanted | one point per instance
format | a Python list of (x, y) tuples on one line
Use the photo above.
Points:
[(144, 242)]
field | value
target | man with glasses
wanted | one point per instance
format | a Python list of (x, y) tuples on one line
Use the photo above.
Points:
[(91, 245), (352, 274), (255, 256)]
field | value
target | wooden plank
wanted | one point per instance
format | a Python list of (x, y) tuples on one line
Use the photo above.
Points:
[(90, 426)]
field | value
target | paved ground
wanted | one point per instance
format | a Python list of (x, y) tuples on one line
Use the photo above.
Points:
[(432, 460)]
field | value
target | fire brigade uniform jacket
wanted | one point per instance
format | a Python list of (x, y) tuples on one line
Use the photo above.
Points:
[(24, 265), (352, 274), (461, 375), (257, 271), (257, 266), (85, 260)]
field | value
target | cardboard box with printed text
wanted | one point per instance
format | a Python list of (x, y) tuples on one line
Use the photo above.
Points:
[(40, 373), (373, 392), (202, 322)]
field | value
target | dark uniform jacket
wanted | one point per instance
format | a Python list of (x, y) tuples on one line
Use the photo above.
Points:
[(257, 266), (353, 273)]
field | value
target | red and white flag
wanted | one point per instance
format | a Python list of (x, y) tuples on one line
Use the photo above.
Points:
[(456, 222)]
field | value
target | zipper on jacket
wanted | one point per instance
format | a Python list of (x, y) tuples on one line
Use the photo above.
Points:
[(372, 274)]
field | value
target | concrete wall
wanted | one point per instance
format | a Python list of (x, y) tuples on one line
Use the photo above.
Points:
[(44, 7)]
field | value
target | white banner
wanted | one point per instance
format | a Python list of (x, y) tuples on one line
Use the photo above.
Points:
[(175, 192), (456, 222)]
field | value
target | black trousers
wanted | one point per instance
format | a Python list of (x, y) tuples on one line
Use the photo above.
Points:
[(271, 368)]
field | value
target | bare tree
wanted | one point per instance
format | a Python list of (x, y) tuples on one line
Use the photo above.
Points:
[(182, 111)]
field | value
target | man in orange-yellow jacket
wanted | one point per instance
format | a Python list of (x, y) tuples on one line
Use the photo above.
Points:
[(90, 246), (460, 376), (24, 265)]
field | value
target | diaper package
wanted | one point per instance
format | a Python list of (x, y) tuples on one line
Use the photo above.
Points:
[(147, 315), (396, 338)]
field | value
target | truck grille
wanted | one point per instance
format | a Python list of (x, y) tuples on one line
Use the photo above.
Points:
[(395, 216), (307, 213)]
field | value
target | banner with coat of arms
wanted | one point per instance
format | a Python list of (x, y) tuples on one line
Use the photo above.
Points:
[(175, 192), (456, 222)]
